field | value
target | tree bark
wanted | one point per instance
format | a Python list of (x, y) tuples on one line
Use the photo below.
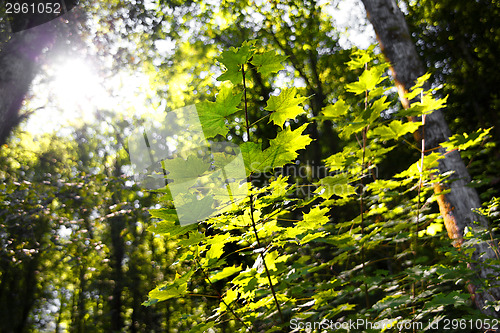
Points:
[(457, 206), (18, 66)]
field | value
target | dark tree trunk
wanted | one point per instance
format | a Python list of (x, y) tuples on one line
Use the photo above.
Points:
[(18, 66), (117, 225), (456, 206)]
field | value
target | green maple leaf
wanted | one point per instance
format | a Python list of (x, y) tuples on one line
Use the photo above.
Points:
[(359, 58), (392, 301), (284, 106), (217, 244), (336, 110), (213, 115), (290, 142), (257, 160), (233, 59), (425, 106), (455, 298), (465, 141), (186, 172), (309, 225), (377, 107), (194, 238), (417, 88), (367, 81), (268, 62), (169, 228), (354, 127), (395, 129), (335, 185), (193, 207), (164, 214), (429, 104), (313, 220), (227, 271), (170, 290), (282, 150), (430, 161), (340, 160)]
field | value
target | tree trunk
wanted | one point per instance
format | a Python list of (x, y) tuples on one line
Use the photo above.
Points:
[(18, 64), (456, 206), (117, 224)]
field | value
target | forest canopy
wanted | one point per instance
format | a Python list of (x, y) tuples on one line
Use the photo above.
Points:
[(250, 166)]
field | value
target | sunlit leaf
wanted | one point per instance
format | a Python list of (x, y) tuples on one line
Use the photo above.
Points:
[(284, 106), (217, 244), (227, 271), (395, 129), (186, 171), (171, 290), (466, 141), (359, 58), (430, 161), (282, 150), (367, 81), (170, 229), (339, 109), (335, 185)]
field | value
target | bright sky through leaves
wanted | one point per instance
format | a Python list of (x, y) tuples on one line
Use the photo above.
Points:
[(75, 91)]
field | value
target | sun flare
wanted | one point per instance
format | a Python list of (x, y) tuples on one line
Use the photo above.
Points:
[(77, 87), (74, 90)]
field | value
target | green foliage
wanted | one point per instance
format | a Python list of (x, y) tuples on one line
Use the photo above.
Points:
[(375, 260), (268, 62), (466, 141), (214, 114), (282, 150), (171, 290), (284, 106), (233, 59), (458, 51)]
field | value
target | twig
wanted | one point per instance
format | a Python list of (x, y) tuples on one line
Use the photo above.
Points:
[(252, 207)]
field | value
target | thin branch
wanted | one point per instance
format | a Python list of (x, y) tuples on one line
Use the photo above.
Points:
[(220, 296), (259, 244), (361, 201)]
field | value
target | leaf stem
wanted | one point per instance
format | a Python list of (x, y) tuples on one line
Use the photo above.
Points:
[(419, 189), (252, 208), (261, 118), (361, 200)]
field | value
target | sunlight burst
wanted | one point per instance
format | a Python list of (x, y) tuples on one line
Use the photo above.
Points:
[(77, 88)]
